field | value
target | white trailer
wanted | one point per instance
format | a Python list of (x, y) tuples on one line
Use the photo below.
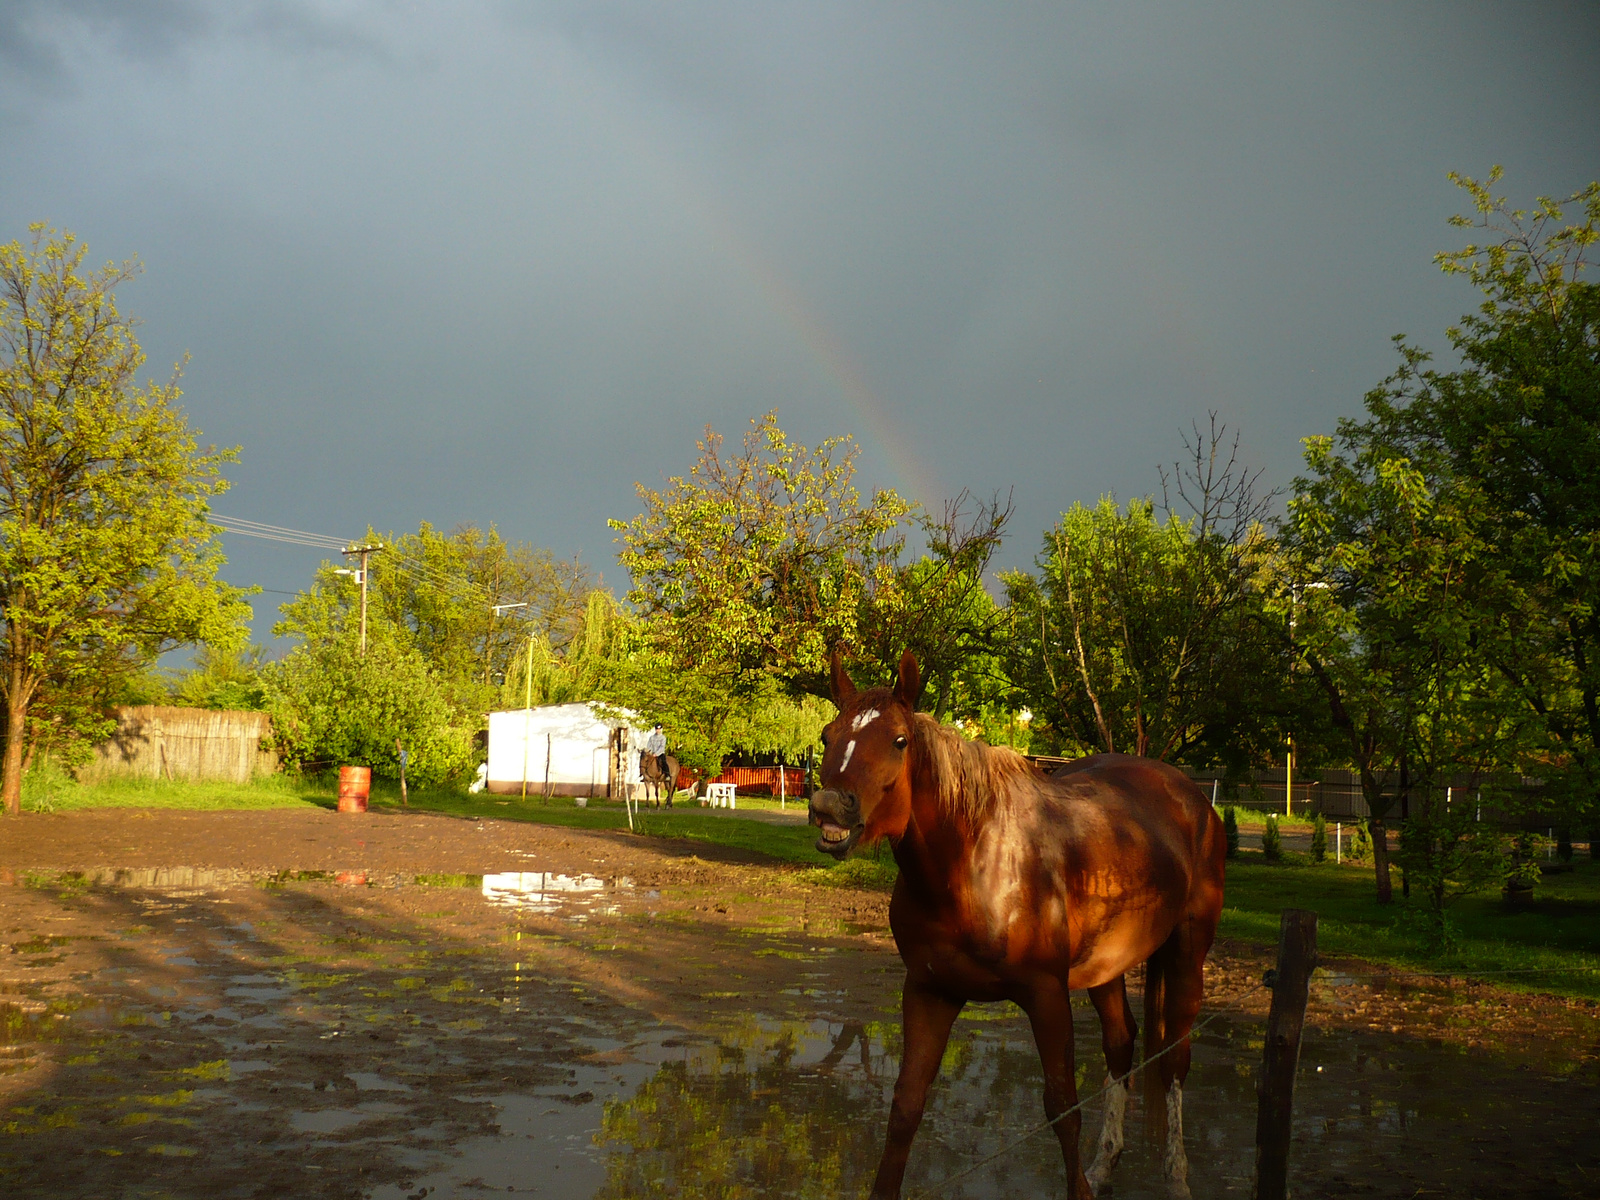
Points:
[(564, 750)]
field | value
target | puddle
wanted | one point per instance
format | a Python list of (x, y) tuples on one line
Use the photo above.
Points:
[(548, 892), (450, 1069), (781, 1109), (336, 1120)]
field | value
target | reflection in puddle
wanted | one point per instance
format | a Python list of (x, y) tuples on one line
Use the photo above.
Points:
[(548, 892), (785, 1109)]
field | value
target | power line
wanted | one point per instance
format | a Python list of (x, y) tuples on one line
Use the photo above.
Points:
[(279, 533), (419, 570)]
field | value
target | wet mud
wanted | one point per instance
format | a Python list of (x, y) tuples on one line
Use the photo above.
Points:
[(287, 1004)]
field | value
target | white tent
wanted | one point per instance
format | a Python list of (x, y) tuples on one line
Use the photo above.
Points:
[(563, 750)]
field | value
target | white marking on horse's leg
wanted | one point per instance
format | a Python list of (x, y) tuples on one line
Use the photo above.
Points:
[(849, 749), (1110, 1135), (862, 719), (1174, 1162)]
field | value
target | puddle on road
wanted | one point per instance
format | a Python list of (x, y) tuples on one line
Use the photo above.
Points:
[(548, 892), (785, 1109), (773, 1105)]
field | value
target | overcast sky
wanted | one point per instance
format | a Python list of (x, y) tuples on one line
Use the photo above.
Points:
[(494, 262)]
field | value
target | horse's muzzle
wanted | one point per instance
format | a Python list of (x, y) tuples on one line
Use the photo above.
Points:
[(838, 815)]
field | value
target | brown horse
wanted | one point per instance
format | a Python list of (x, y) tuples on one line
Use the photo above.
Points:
[(1018, 886), (656, 784)]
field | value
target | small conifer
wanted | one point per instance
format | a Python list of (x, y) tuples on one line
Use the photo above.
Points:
[(1271, 841)]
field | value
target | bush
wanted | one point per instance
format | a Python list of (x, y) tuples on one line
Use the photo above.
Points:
[(1271, 841), (1447, 853), (332, 706), (1230, 830), (1319, 838), (1360, 842)]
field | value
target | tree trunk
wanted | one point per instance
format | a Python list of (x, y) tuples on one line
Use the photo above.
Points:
[(16, 724), (1380, 858)]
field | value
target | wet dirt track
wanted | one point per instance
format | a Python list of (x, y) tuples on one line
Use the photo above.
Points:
[(298, 1004)]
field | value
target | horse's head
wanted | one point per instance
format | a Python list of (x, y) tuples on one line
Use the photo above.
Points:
[(866, 777)]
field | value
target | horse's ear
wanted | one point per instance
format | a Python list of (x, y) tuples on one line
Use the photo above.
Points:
[(843, 689), (908, 687)]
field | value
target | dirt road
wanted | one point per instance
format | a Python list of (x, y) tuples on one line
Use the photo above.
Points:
[(301, 1004)]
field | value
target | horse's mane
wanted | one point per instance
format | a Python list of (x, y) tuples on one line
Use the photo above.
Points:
[(968, 776)]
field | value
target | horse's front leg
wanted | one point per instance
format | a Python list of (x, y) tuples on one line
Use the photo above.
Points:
[(927, 1018), (1050, 1013)]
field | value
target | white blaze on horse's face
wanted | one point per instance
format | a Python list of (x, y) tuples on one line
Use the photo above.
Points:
[(850, 748), (862, 719)]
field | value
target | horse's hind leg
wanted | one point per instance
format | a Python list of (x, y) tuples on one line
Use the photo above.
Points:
[(1181, 965), (1117, 1034), (927, 1018)]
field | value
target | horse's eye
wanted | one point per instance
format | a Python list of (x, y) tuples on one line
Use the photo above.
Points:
[(824, 739), (900, 742)]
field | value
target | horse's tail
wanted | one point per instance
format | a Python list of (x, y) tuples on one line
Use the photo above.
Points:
[(1158, 970)]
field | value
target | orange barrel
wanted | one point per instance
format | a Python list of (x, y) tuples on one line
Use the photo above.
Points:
[(355, 783)]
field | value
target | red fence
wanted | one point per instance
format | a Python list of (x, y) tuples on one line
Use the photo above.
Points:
[(764, 780)]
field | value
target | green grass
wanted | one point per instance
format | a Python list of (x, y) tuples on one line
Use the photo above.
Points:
[(1535, 950), (1554, 947), (275, 791)]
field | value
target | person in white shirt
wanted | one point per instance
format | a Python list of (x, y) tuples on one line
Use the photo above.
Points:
[(656, 745)]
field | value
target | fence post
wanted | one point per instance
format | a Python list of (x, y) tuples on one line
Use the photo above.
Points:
[(1297, 957)]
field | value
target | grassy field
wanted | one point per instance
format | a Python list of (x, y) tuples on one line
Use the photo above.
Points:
[(1553, 947)]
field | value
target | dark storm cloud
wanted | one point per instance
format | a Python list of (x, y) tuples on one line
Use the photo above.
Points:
[(497, 261), (36, 35)]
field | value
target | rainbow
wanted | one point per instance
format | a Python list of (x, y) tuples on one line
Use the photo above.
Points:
[(824, 346)]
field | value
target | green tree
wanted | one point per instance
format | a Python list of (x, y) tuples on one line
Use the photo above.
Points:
[(443, 589), (1145, 635), (1380, 571), (223, 678), (1271, 840), (756, 564), (611, 660), (437, 594), (332, 705), (1230, 830), (106, 556), (1517, 425), (938, 606)]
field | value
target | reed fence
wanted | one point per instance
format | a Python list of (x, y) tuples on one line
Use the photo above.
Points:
[(157, 742)]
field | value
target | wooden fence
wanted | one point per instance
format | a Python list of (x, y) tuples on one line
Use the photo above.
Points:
[(156, 742)]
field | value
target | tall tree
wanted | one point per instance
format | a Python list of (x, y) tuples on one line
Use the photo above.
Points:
[(439, 591), (1517, 426), (106, 556), (758, 562), (1137, 630), (1383, 567), (939, 606)]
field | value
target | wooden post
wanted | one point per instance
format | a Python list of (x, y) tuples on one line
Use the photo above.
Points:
[(401, 754), (549, 744), (1297, 957)]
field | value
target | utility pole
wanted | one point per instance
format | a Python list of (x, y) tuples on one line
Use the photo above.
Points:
[(361, 577), (527, 692)]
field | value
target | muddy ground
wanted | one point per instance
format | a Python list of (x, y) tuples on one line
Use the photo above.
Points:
[(295, 1003)]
